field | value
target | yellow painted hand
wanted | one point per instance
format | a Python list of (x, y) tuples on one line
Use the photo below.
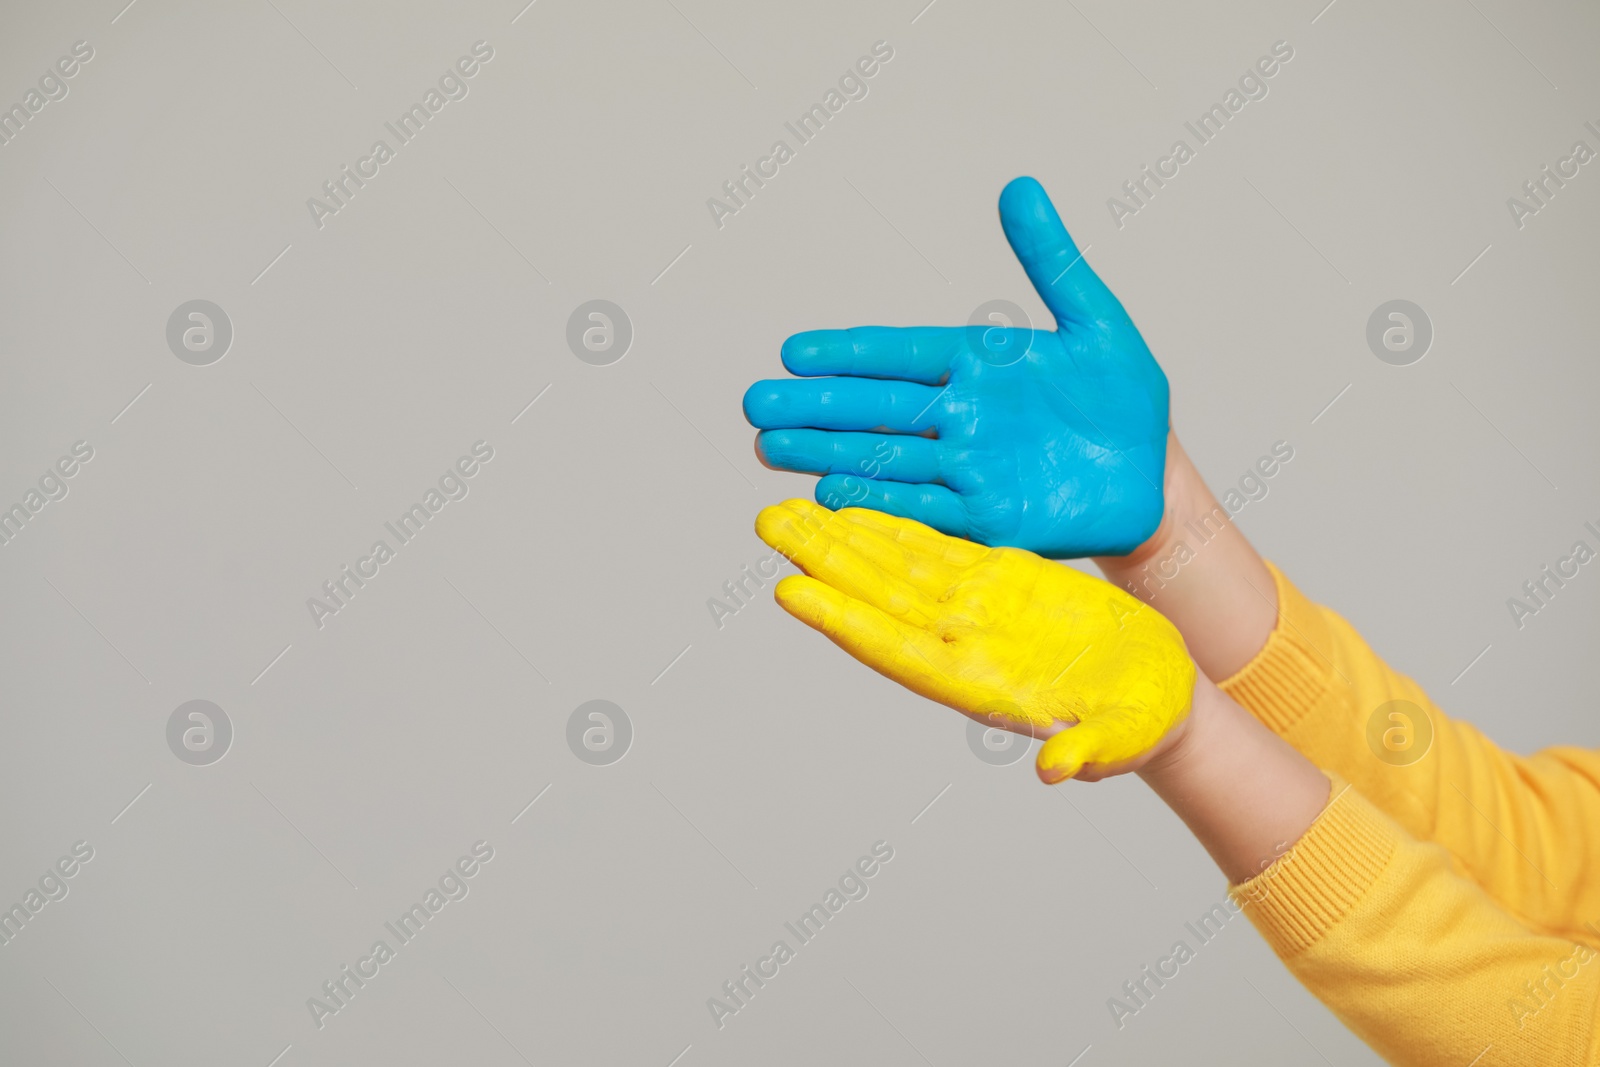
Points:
[(999, 634)]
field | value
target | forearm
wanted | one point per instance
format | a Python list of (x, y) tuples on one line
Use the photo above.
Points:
[(1201, 573), (1243, 792), (1419, 961), (1416, 959), (1520, 826)]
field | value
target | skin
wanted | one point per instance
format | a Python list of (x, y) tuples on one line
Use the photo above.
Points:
[(999, 634), (952, 427), (1244, 793), (1223, 601), (1015, 641), (1064, 451), (1049, 440)]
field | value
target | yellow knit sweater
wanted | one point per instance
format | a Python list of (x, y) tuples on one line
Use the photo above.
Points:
[(1446, 904)]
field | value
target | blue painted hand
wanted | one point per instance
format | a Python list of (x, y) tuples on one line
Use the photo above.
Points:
[(1053, 441)]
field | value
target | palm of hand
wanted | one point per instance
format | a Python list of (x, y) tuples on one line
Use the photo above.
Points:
[(1061, 452), (1001, 635), (1050, 441)]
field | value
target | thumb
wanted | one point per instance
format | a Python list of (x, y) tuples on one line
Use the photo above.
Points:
[(1109, 737), (1067, 285)]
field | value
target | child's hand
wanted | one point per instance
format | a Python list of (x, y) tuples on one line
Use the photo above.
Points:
[(1053, 441), (1003, 636)]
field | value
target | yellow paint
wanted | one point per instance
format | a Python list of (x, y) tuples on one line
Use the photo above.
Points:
[(999, 634)]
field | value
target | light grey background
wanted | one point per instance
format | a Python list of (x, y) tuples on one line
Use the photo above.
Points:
[(425, 716)]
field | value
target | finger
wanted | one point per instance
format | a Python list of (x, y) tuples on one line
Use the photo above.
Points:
[(900, 652), (931, 505), (870, 455), (913, 353), (841, 404), (921, 539), (817, 541), (1112, 736), (928, 571), (1067, 285)]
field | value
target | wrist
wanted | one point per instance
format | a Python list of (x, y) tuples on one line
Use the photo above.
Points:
[(1184, 496), (1185, 744), (1244, 792), (1200, 571)]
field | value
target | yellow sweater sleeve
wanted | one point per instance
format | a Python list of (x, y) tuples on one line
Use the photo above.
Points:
[(1520, 826), (1419, 962)]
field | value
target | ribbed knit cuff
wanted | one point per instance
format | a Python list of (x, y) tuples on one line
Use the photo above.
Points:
[(1313, 886), (1293, 670)]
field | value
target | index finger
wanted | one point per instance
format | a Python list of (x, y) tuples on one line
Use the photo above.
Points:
[(905, 654), (818, 542), (911, 353)]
